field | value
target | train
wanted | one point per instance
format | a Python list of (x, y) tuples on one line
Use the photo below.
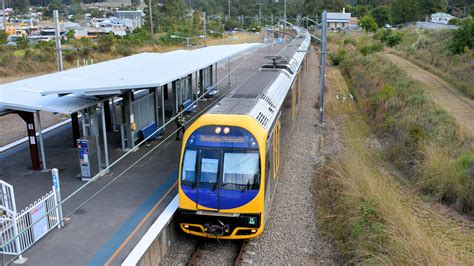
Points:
[(231, 155)]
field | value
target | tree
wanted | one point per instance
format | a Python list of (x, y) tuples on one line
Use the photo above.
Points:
[(21, 5), (428, 7), (105, 43), (382, 15), (463, 37), (368, 23), (404, 11), (3, 37)]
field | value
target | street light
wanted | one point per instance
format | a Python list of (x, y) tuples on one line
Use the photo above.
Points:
[(187, 38)]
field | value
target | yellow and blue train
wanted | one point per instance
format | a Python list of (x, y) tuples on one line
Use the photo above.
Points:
[(230, 156)]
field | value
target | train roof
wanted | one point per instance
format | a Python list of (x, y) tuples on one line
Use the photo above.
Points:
[(262, 95)]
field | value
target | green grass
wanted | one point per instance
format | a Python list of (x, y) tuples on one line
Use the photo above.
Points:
[(19, 53)]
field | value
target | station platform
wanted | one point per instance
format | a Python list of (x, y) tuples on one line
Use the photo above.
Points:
[(105, 220)]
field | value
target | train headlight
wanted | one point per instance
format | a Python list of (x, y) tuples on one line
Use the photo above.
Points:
[(253, 143), (186, 226), (226, 130), (218, 130)]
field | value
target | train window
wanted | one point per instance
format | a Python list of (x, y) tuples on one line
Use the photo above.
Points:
[(189, 167), (241, 171), (209, 168)]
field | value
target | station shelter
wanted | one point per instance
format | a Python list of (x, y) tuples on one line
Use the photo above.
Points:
[(118, 98)]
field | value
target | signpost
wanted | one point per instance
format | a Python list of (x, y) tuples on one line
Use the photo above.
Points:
[(57, 190)]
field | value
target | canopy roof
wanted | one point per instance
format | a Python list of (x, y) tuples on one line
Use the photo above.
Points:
[(145, 70)]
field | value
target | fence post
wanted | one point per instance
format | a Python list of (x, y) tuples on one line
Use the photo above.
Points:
[(15, 228), (57, 193)]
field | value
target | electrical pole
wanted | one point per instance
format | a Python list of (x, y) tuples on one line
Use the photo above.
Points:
[(228, 14), (59, 52), (323, 63), (151, 23), (284, 15), (260, 14), (4, 17), (204, 27)]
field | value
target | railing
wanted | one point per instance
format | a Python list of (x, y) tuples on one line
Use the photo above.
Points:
[(19, 231)]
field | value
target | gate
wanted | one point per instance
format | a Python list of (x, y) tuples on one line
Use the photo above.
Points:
[(19, 231)]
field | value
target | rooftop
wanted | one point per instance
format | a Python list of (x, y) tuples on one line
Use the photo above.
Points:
[(72, 90), (338, 16)]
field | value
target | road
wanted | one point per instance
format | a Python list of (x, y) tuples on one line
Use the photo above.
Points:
[(442, 93)]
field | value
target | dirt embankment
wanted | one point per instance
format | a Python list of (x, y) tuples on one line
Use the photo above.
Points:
[(460, 107), (370, 211)]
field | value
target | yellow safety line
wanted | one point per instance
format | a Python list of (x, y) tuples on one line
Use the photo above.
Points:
[(139, 225)]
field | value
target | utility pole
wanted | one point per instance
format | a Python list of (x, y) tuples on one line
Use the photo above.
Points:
[(59, 52), (4, 17), (260, 14), (323, 63), (204, 27), (228, 13), (151, 23), (284, 15)]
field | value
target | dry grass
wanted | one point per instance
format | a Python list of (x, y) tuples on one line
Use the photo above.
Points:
[(374, 218), (17, 69)]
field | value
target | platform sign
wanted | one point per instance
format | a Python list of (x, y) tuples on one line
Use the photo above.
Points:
[(83, 149), (38, 217)]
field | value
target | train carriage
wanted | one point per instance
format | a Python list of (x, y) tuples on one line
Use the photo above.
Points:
[(231, 155)]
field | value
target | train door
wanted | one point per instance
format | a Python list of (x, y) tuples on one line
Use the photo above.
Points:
[(208, 178), (276, 149)]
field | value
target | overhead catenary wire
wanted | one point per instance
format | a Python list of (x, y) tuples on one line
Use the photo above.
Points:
[(105, 170)]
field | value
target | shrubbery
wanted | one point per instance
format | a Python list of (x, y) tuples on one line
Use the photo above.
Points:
[(463, 38), (421, 137), (389, 37), (371, 48), (338, 57)]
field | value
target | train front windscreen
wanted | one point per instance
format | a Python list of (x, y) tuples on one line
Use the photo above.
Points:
[(221, 167)]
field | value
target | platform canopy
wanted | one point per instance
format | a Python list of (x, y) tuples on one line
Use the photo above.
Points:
[(72, 90)]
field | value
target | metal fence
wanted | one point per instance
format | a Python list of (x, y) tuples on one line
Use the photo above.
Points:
[(19, 231), (435, 26)]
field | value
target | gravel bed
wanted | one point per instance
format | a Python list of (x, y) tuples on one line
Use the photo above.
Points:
[(291, 233)]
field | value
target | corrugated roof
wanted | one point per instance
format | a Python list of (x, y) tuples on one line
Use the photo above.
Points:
[(337, 16), (143, 70)]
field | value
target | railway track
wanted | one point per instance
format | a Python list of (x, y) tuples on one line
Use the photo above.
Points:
[(230, 252)]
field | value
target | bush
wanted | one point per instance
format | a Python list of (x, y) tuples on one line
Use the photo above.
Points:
[(389, 37), (350, 41), (105, 43), (394, 39), (338, 57), (463, 37), (3, 37), (371, 48)]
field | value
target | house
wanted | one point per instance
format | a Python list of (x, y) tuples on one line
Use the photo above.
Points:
[(338, 20), (442, 18)]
